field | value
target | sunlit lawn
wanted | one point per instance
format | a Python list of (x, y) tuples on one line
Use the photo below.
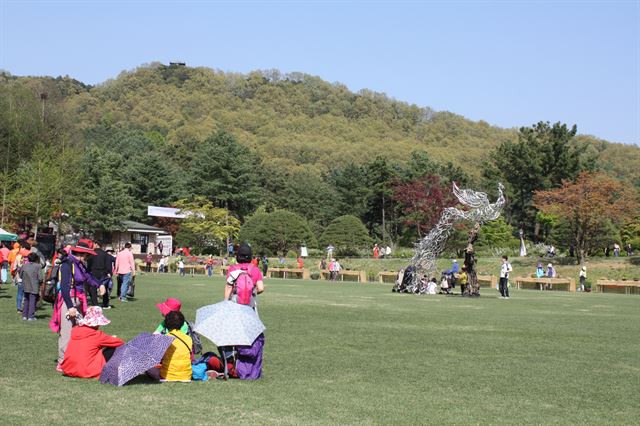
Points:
[(354, 353)]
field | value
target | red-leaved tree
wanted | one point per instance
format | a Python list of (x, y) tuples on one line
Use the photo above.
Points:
[(423, 200), (587, 204)]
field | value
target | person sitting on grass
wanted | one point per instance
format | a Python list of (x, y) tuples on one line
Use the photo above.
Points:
[(432, 285), (165, 307), (176, 363), (89, 349)]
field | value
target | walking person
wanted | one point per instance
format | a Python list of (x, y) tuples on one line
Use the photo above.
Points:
[(505, 270), (126, 269), (582, 278), (462, 278), (209, 266), (336, 269), (100, 267), (332, 271), (181, 267), (4, 253), (265, 264), (148, 261), (19, 260), (112, 269), (31, 276)]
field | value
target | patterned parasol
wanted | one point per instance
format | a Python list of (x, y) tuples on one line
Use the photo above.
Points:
[(228, 324), (135, 357)]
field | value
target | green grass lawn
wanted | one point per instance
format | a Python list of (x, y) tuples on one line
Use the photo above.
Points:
[(357, 353)]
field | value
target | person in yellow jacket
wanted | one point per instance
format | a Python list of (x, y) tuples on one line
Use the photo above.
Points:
[(462, 280), (176, 363)]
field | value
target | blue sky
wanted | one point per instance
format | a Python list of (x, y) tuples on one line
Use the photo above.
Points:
[(508, 63)]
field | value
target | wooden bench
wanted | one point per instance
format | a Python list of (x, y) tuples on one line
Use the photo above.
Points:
[(630, 287), (193, 269), (490, 281), (300, 273), (360, 276), (387, 277), (542, 282)]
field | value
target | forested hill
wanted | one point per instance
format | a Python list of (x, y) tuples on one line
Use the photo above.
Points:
[(294, 118)]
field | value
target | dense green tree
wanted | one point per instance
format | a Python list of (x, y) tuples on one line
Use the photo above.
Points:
[(276, 232), (42, 186), (105, 200), (381, 217), (151, 180), (347, 234), (540, 159), (226, 173), (351, 190), (300, 190), (497, 233), (630, 233), (207, 225)]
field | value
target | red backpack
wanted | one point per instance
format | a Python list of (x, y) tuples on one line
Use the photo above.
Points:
[(243, 286)]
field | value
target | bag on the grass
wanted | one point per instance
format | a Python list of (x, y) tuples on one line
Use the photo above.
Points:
[(131, 290), (195, 338), (199, 372)]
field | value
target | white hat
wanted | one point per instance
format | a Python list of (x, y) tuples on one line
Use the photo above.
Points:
[(455, 260), (549, 266)]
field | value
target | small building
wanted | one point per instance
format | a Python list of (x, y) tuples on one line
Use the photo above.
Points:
[(143, 238)]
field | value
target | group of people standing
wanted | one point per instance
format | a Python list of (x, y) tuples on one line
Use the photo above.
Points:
[(381, 252), (333, 266)]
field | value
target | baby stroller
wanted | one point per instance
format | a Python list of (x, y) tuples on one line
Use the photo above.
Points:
[(406, 284)]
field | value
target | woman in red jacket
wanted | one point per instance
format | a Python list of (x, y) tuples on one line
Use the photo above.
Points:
[(89, 348)]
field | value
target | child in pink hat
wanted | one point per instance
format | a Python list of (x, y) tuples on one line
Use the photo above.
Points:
[(165, 307)]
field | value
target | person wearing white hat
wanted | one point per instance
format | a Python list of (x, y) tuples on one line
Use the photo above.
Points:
[(583, 278), (89, 349)]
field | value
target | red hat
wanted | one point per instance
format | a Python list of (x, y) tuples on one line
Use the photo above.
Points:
[(82, 247), (169, 305)]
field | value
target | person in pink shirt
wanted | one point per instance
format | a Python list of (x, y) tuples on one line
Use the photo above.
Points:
[(248, 365), (126, 269), (244, 257), (4, 263)]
